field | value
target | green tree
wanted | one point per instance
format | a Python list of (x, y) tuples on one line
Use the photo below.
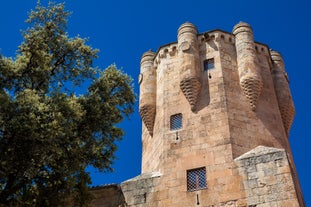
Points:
[(48, 133)]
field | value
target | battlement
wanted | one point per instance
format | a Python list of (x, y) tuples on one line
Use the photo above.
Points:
[(170, 50)]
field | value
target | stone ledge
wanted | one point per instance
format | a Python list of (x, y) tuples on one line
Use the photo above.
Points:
[(144, 176), (259, 151)]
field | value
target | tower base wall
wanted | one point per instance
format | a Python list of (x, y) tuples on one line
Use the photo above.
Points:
[(267, 178)]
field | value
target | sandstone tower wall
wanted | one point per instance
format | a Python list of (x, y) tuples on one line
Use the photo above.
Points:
[(216, 111)]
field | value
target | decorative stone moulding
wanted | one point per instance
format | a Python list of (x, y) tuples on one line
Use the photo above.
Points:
[(252, 87), (191, 88), (282, 91), (147, 100), (188, 50), (147, 114), (288, 114), (249, 72), (172, 51), (165, 52), (185, 46)]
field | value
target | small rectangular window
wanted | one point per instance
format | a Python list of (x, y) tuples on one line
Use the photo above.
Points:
[(209, 64), (176, 122), (196, 179)]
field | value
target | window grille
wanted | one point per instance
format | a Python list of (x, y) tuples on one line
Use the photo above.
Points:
[(196, 179), (176, 122), (209, 64)]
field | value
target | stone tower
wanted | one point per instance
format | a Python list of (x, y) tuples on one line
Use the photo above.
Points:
[(216, 110)]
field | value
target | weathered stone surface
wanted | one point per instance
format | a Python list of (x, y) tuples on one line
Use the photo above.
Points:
[(148, 91), (249, 73), (228, 110), (190, 83), (139, 190), (107, 196), (282, 91), (267, 183)]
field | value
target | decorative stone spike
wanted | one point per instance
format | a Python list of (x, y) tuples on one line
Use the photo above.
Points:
[(191, 88), (188, 50), (249, 72), (282, 91), (147, 114)]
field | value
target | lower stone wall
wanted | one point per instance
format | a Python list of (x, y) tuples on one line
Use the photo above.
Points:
[(139, 191), (267, 178), (107, 196)]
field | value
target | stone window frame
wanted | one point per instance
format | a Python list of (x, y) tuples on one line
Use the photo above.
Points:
[(176, 121), (196, 179)]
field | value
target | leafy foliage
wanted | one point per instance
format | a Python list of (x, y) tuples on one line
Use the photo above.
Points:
[(49, 134)]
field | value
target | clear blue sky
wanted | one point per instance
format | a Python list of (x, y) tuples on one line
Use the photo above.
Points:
[(123, 30)]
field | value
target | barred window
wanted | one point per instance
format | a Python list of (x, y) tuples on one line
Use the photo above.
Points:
[(196, 179), (176, 122), (209, 64)]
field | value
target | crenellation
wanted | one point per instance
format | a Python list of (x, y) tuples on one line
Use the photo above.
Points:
[(262, 49)]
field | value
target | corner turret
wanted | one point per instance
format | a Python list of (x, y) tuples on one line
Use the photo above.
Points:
[(148, 83), (188, 51), (249, 73), (282, 90)]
